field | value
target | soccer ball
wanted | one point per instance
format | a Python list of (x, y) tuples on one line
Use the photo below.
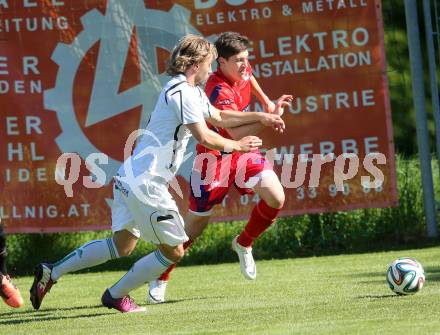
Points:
[(405, 276)]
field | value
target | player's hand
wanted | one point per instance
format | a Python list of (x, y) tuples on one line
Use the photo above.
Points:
[(279, 128), (249, 143), (281, 103), (274, 121), (269, 106)]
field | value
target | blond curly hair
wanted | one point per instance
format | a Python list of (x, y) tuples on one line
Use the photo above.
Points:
[(190, 50)]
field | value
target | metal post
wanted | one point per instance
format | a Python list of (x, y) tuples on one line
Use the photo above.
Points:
[(418, 89), (436, 26), (432, 74)]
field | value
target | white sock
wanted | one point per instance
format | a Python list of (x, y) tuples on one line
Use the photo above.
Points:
[(143, 271), (90, 254)]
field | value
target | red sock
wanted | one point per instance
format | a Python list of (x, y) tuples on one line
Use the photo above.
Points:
[(166, 275), (262, 217)]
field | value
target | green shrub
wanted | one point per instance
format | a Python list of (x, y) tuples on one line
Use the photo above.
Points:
[(317, 234)]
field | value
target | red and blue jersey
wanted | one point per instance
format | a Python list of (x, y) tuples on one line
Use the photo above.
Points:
[(226, 95)]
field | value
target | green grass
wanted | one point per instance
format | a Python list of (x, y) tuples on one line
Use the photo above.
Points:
[(320, 295)]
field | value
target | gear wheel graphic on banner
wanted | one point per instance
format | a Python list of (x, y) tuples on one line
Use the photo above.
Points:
[(153, 28)]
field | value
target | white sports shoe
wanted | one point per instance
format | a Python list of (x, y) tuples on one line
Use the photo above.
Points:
[(247, 263), (156, 293)]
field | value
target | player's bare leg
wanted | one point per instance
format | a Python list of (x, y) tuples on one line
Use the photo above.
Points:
[(263, 215), (196, 224), (125, 242), (271, 191)]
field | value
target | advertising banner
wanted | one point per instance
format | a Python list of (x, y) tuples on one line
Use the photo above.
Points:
[(78, 77)]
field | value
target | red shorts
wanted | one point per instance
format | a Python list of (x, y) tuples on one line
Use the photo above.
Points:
[(210, 182)]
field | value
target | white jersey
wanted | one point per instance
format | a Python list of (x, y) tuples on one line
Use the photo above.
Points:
[(161, 150)]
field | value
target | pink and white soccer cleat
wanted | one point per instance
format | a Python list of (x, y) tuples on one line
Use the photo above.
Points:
[(123, 305)]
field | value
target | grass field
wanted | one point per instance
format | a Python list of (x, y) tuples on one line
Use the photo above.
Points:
[(320, 295)]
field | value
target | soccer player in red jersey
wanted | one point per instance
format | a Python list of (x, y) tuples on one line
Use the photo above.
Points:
[(230, 88)]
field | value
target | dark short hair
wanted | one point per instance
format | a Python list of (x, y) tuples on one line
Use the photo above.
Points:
[(231, 43)]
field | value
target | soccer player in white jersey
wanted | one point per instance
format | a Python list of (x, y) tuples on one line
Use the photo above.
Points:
[(231, 87), (142, 206)]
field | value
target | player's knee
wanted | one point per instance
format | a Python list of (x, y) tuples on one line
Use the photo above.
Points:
[(195, 227), (281, 200), (124, 251), (125, 243), (174, 254), (179, 253), (276, 200)]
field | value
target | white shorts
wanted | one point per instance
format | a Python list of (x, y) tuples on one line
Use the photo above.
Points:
[(158, 226)]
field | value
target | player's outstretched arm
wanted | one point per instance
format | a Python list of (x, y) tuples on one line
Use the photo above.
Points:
[(212, 140), (230, 118), (254, 129), (245, 130), (269, 106)]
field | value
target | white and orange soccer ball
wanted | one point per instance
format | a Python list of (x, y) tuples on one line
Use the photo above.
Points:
[(405, 276)]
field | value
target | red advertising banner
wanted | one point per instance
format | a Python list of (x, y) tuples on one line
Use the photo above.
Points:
[(79, 76)]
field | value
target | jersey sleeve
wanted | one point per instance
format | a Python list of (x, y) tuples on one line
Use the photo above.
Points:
[(187, 105), (221, 97)]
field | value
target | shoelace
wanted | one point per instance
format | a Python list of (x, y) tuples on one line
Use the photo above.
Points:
[(247, 255), (248, 259)]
